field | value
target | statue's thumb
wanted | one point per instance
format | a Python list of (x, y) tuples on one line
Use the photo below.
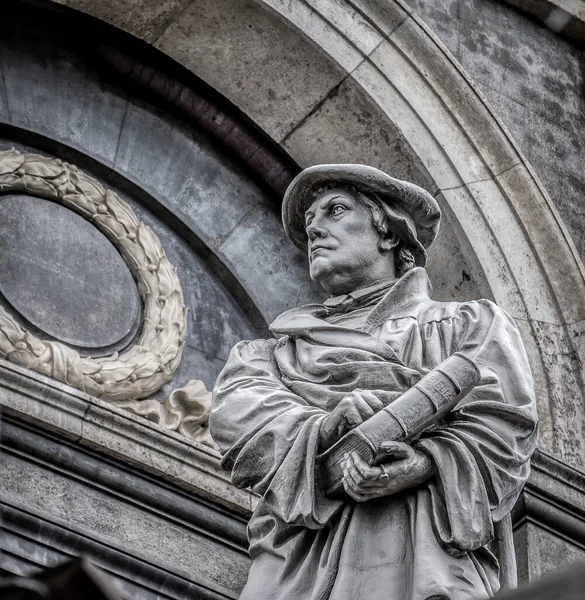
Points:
[(393, 450)]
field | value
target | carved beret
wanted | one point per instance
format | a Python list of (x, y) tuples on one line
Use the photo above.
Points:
[(414, 212)]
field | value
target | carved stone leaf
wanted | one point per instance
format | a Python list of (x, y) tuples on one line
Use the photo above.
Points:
[(38, 186), (111, 228), (165, 278), (89, 187), (122, 213), (152, 250), (149, 368), (41, 167), (127, 250), (80, 204), (10, 161), (11, 182)]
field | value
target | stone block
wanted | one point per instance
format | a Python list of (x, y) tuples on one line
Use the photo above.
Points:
[(540, 552), (58, 500), (401, 89), (345, 34), (263, 64), (559, 392), (276, 285), (482, 251), (549, 238), (348, 127), (143, 18), (186, 171), (459, 104), (442, 19), (64, 276), (508, 230), (48, 91), (533, 80), (59, 407), (386, 16), (56, 407), (557, 157), (543, 73)]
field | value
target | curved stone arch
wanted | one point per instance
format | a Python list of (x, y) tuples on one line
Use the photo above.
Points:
[(318, 76)]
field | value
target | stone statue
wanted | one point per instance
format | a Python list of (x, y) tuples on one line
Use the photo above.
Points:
[(387, 434)]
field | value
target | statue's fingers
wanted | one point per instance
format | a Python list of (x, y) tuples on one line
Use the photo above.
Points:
[(358, 413), (373, 401), (354, 493), (396, 450), (353, 476), (364, 471)]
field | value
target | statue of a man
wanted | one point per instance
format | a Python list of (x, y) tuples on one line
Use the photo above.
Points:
[(429, 518)]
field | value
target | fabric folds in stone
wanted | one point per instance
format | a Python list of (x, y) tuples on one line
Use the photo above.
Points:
[(435, 540)]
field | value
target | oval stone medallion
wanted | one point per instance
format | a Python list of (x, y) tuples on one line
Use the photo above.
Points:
[(63, 275)]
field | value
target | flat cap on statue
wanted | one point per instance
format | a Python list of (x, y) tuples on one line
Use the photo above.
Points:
[(414, 211)]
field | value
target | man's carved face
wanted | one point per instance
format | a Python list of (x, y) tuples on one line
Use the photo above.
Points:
[(345, 250)]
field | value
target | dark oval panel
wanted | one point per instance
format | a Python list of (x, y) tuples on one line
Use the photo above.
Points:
[(63, 275)]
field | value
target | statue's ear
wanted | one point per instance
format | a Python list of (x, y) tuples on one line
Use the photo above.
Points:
[(389, 241)]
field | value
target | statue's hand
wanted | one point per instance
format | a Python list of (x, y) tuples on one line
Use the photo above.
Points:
[(355, 408), (363, 482)]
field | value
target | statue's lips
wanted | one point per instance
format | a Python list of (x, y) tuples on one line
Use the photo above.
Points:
[(314, 249)]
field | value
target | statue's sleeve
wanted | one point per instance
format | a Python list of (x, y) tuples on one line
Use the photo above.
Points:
[(483, 451), (268, 435)]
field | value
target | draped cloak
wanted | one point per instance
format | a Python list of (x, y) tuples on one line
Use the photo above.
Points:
[(449, 538)]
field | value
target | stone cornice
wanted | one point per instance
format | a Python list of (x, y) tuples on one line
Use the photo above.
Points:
[(96, 424), (554, 496)]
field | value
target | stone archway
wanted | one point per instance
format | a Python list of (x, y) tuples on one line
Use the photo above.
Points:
[(366, 81)]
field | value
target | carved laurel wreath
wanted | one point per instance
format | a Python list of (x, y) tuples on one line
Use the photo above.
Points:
[(151, 361)]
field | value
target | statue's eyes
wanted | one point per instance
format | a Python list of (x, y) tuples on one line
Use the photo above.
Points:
[(337, 209)]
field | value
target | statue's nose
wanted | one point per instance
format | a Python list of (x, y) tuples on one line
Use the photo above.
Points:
[(314, 232)]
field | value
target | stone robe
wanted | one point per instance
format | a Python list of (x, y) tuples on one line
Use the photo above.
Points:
[(441, 539)]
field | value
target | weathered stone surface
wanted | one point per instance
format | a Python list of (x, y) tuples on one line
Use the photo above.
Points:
[(562, 427), (210, 193), (386, 16), (479, 131), (542, 552), (142, 18), (58, 500), (58, 97), (273, 72), (534, 80), (557, 156), (122, 525), (349, 119), (259, 234), (351, 37), (566, 17), (537, 212), (63, 275), (90, 422)]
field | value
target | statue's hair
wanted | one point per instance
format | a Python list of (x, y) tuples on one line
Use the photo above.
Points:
[(381, 220)]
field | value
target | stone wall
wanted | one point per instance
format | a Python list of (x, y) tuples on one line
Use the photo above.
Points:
[(391, 98), (534, 79)]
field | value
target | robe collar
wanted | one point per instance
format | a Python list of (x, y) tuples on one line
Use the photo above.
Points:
[(405, 298), (366, 296)]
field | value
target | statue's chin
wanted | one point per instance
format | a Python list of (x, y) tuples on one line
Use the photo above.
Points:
[(321, 270)]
